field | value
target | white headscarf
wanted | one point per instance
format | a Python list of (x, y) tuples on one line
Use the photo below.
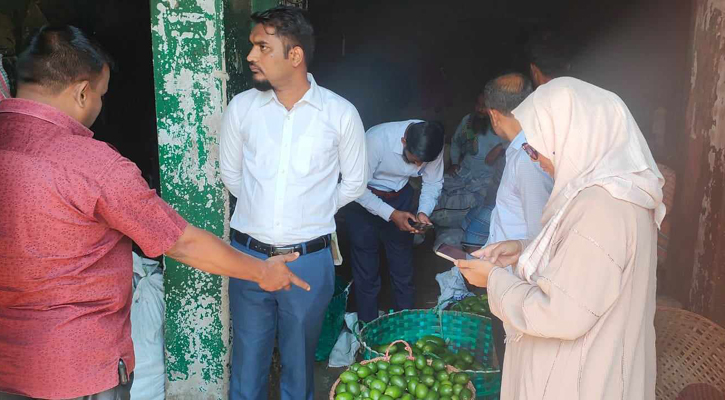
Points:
[(593, 140)]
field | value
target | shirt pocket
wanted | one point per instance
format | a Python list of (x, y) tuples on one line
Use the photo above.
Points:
[(312, 154)]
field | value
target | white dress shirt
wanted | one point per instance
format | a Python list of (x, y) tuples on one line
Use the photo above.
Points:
[(390, 173), (521, 197), (283, 166)]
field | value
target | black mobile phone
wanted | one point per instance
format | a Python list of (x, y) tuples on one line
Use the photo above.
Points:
[(420, 226)]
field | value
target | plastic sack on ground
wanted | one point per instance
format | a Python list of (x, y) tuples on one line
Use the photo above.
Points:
[(453, 287), (147, 318), (347, 345)]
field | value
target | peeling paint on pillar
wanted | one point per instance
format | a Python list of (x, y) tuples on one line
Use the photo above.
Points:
[(700, 238), (188, 53)]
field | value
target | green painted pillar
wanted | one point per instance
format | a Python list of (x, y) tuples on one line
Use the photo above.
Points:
[(196, 72), (188, 54)]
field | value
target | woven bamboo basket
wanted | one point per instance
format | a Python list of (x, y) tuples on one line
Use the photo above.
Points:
[(690, 349), (386, 357)]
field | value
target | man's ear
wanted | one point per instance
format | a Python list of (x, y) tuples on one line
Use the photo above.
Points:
[(80, 93), (297, 55), (495, 117)]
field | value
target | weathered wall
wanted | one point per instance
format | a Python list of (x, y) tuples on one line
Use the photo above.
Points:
[(696, 266), (188, 40)]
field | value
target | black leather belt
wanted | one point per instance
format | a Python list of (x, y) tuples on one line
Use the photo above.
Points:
[(269, 250)]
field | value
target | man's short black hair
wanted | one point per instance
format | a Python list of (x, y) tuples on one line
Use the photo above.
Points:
[(551, 53), (425, 140), (293, 25), (58, 56), (506, 92)]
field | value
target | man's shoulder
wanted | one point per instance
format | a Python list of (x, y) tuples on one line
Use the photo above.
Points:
[(245, 98), (335, 101)]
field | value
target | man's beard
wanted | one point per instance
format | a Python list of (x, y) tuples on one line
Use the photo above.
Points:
[(262, 85)]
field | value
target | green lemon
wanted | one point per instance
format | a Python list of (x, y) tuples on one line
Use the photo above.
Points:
[(373, 367), (412, 384), (398, 381), (407, 396), (411, 371), (385, 397), (428, 371), (394, 392), (457, 389), (344, 396), (355, 367), (341, 388), (375, 394), (431, 395), (420, 363), (348, 377), (449, 359), (354, 388), (398, 359), (383, 365), (369, 380), (428, 380), (378, 385), (434, 339), (438, 365), (409, 363), (461, 378), (443, 376), (466, 356), (466, 394), (363, 372), (396, 370), (445, 390), (420, 392)]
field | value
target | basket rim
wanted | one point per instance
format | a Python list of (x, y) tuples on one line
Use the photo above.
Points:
[(365, 346)]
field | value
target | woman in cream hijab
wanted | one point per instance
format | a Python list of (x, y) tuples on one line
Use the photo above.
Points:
[(578, 306)]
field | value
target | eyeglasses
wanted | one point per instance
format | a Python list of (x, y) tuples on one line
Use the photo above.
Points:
[(530, 151)]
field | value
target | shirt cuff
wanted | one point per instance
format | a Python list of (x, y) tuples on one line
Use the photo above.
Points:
[(500, 281), (386, 210)]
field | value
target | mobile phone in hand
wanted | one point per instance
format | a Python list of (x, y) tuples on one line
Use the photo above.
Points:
[(420, 226), (452, 253)]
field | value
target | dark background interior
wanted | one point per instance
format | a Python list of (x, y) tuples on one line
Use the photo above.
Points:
[(425, 59)]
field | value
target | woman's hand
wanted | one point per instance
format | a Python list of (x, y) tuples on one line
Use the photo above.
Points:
[(502, 254), (475, 271)]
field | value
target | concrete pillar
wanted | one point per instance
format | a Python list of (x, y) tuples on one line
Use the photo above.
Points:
[(188, 54), (696, 263)]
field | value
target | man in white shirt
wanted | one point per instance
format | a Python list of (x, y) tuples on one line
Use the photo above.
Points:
[(396, 151), (525, 187), (283, 146)]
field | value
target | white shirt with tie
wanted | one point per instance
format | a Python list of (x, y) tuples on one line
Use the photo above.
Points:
[(283, 166), (390, 173)]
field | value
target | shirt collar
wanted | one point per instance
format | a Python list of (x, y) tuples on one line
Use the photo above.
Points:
[(518, 141), (46, 113), (313, 96)]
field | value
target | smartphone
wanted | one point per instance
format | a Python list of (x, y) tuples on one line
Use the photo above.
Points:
[(451, 253), (420, 226)]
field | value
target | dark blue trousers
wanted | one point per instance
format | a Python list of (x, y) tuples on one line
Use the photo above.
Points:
[(294, 316), (366, 231)]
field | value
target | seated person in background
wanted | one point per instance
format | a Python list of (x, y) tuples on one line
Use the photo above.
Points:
[(475, 148), (396, 152)]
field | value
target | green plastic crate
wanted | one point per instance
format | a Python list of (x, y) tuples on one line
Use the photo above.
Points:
[(460, 331), (334, 318)]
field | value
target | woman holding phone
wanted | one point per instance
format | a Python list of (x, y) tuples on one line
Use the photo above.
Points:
[(578, 307)]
